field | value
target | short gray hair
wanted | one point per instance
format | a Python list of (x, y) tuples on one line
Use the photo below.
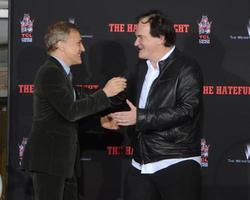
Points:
[(56, 32)]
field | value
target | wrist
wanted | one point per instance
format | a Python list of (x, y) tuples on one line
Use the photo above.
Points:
[(105, 92)]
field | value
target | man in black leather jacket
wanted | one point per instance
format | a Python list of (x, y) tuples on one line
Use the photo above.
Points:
[(166, 142)]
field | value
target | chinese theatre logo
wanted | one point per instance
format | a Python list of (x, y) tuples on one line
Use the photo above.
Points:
[(204, 152), (21, 149), (204, 30), (26, 28)]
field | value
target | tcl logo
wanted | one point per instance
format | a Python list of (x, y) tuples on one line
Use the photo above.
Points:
[(26, 35)]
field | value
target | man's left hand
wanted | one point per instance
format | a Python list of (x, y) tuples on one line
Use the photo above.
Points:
[(109, 123)]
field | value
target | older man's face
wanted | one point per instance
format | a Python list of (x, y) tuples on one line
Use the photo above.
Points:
[(72, 48)]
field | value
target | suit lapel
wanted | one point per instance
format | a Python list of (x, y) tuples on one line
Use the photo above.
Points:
[(58, 64), (164, 64)]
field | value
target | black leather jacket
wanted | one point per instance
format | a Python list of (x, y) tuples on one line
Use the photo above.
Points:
[(169, 126)]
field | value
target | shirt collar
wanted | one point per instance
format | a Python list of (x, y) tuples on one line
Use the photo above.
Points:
[(64, 65), (167, 54), (163, 58)]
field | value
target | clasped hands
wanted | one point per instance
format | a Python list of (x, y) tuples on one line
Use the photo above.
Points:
[(125, 118)]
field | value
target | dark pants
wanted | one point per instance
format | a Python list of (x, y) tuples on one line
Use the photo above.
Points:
[(181, 181), (49, 187)]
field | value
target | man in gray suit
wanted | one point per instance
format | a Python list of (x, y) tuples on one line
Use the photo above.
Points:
[(51, 152)]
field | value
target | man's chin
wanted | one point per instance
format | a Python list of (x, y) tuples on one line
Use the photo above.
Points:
[(79, 62), (141, 56)]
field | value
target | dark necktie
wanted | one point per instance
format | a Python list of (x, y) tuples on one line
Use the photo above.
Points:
[(70, 76)]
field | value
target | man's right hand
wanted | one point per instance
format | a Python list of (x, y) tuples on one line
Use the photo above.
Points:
[(115, 86)]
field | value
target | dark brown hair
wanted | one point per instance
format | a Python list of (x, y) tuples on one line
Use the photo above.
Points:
[(160, 25)]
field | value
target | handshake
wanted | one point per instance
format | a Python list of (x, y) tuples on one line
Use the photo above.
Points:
[(113, 121), (125, 118)]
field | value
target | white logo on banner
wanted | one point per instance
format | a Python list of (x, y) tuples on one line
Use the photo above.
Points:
[(72, 20), (242, 37), (237, 156), (248, 28), (247, 151)]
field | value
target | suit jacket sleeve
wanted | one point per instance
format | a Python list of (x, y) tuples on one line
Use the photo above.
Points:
[(54, 86)]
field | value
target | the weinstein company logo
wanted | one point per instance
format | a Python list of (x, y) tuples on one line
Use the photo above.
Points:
[(248, 28), (247, 151), (242, 37), (238, 157), (26, 28), (204, 30)]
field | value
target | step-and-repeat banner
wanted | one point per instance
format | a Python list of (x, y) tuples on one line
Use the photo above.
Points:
[(216, 33)]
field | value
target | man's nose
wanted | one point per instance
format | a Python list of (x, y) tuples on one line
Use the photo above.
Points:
[(136, 42)]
